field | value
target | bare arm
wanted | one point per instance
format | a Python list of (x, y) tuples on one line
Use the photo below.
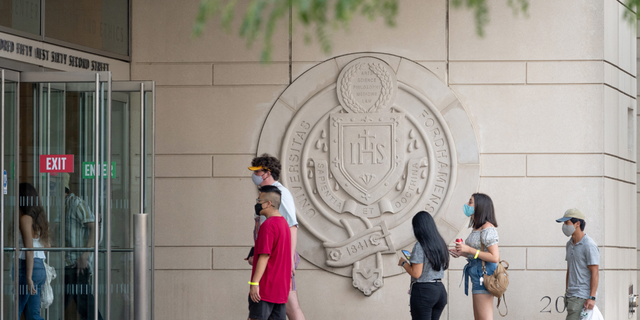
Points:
[(492, 256), (26, 223), (414, 270), (294, 242), (261, 265), (595, 277)]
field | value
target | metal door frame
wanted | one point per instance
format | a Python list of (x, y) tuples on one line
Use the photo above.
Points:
[(14, 77)]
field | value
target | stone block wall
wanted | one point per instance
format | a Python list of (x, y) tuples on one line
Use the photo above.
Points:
[(551, 97)]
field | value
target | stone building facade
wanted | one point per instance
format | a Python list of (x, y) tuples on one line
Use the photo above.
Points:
[(540, 114)]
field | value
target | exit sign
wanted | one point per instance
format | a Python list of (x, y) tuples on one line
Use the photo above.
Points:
[(50, 163)]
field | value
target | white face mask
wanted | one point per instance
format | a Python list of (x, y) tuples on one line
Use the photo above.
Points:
[(568, 229), (257, 180)]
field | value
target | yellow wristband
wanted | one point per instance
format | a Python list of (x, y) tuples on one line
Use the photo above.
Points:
[(254, 283), (477, 253)]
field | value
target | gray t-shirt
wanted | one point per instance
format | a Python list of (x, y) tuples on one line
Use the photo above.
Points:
[(579, 256), (428, 274)]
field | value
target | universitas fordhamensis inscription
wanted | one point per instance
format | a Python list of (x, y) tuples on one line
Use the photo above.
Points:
[(363, 167)]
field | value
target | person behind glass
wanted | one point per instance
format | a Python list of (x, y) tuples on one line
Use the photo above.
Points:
[(481, 245), (79, 232), (33, 233), (266, 172), (429, 258)]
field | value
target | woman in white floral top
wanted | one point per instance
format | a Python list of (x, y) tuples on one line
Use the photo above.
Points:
[(481, 245)]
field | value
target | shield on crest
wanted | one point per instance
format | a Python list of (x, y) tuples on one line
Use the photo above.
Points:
[(364, 153)]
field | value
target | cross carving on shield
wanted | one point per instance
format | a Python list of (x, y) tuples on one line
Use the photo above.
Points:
[(364, 147)]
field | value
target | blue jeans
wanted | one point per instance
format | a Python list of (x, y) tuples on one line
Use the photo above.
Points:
[(473, 270), (30, 303)]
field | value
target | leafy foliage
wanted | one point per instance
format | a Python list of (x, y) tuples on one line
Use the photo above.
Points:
[(261, 16), (632, 14)]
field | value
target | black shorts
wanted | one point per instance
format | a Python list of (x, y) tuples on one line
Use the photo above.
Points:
[(264, 310)]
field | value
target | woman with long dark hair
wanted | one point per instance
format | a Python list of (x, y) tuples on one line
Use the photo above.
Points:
[(481, 245), (428, 261), (34, 233)]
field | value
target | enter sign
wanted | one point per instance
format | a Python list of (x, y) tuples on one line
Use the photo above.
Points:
[(50, 163)]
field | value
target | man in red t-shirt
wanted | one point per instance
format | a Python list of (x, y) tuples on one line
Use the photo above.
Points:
[(271, 274)]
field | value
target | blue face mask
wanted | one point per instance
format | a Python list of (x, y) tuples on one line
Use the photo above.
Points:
[(468, 210)]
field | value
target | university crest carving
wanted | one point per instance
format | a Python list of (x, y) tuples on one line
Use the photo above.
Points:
[(362, 153)]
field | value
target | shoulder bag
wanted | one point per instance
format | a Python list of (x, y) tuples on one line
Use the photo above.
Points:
[(497, 283)]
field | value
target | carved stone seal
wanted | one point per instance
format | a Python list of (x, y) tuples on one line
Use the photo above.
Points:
[(361, 156)]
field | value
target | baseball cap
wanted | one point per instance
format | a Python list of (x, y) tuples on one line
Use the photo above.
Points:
[(572, 213), (258, 168)]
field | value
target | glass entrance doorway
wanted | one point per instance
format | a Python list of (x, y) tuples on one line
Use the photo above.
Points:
[(77, 163)]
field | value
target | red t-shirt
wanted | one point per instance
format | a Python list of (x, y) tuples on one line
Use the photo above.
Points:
[(274, 239)]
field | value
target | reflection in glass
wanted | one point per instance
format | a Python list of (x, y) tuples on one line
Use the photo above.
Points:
[(22, 15), (97, 24)]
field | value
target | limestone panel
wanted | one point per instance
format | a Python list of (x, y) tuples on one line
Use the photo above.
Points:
[(552, 31), (503, 165), (618, 221), (232, 165), (419, 35), (627, 40), (426, 83), (538, 294), (618, 258), (392, 61), (547, 258), (201, 294), (174, 74), (183, 166), (619, 79), (298, 68), (515, 256), (231, 258), (182, 258), (211, 119), (439, 68), (611, 32), (250, 73), (208, 212), (533, 119), (612, 120), (159, 41), (467, 150), (619, 169), (275, 126), (317, 79), (487, 72), (565, 165), (614, 293), (565, 72), (318, 290), (516, 208)]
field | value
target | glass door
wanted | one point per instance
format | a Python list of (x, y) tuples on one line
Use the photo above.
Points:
[(79, 153), (8, 162)]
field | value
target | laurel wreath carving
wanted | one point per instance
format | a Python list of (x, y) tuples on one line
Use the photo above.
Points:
[(385, 94), (385, 79)]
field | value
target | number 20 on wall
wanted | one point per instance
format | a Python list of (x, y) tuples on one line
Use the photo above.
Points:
[(559, 304)]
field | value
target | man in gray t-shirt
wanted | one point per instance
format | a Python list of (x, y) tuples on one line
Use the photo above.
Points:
[(582, 259)]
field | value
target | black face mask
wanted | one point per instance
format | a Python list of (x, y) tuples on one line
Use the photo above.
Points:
[(258, 208)]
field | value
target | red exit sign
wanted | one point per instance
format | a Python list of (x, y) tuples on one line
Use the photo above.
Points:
[(50, 163)]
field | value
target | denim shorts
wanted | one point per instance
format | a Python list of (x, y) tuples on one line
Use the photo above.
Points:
[(473, 270)]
